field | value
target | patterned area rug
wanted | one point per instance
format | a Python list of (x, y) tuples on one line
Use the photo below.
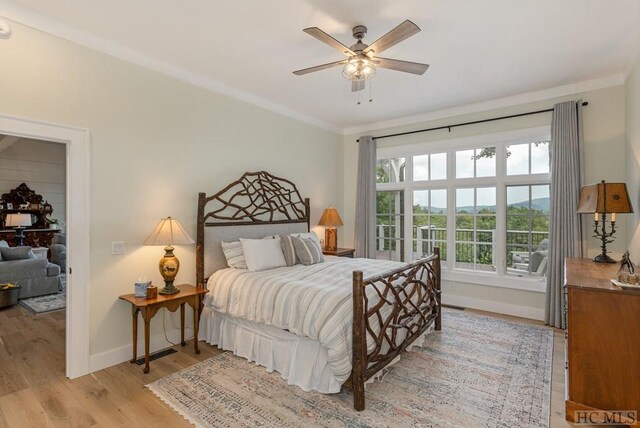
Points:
[(478, 371), (48, 303)]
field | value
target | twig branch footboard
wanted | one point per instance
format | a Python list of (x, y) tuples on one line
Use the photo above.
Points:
[(390, 312)]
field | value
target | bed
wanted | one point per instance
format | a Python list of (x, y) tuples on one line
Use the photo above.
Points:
[(322, 327)]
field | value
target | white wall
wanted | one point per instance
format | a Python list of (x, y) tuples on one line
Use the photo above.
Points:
[(604, 136), (155, 143), (632, 127), (39, 164)]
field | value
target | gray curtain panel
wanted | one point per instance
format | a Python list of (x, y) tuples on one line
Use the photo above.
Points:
[(365, 225), (565, 228)]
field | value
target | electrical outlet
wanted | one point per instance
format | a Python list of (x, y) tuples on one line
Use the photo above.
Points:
[(118, 248)]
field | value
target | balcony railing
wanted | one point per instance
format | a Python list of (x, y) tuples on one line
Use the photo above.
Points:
[(390, 244)]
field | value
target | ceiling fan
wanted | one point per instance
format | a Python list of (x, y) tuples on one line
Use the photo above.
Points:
[(362, 58)]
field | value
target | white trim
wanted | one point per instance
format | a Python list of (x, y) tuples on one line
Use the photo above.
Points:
[(120, 355), (49, 25), (498, 103), (78, 255), (493, 306)]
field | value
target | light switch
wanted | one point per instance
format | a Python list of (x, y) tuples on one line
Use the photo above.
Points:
[(118, 248)]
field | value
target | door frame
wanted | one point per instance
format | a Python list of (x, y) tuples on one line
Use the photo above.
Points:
[(78, 245)]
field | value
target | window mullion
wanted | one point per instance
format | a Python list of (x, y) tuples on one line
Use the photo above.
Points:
[(501, 210)]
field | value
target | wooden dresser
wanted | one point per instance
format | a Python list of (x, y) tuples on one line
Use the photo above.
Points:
[(603, 340)]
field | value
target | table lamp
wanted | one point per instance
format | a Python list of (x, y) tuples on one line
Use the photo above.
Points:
[(19, 222), (169, 232), (331, 220), (601, 199)]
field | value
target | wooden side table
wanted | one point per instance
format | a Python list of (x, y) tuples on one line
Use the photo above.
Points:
[(340, 252), (149, 307)]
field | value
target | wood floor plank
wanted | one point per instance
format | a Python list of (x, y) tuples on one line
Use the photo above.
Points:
[(35, 392)]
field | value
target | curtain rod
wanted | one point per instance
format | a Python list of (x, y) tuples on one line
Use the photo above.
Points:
[(466, 123)]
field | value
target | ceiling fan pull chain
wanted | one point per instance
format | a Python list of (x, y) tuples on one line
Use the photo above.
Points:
[(370, 91)]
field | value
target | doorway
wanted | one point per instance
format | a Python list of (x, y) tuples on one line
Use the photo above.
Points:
[(76, 228)]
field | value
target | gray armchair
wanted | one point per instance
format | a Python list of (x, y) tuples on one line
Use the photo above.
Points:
[(58, 250), (36, 277)]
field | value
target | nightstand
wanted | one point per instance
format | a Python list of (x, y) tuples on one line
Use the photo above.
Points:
[(340, 252), (149, 307)]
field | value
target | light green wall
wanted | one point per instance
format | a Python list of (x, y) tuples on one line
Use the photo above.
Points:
[(155, 143), (604, 137), (632, 126)]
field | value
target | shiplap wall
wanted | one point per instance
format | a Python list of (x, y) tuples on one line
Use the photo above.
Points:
[(40, 164)]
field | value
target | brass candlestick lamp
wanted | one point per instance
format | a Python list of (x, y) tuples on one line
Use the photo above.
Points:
[(169, 232), (602, 199)]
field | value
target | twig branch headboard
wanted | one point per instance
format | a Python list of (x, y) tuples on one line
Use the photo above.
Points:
[(255, 199)]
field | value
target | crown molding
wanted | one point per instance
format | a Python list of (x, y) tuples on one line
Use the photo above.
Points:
[(56, 28), (498, 103)]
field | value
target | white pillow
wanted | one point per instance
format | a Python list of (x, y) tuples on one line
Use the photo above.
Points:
[(263, 254)]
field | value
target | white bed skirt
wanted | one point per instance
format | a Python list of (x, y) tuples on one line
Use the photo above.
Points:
[(301, 361)]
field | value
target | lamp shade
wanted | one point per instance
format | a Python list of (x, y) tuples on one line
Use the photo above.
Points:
[(168, 232), (330, 218), (604, 198), (18, 220)]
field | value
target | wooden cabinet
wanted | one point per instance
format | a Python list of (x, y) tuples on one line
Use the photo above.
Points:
[(603, 340)]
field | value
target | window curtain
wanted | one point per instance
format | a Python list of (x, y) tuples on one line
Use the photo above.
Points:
[(565, 228), (365, 225)]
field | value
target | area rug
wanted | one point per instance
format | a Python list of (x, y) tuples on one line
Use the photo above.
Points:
[(48, 303), (478, 371)]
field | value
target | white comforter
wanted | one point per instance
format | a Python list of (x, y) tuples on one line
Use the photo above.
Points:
[(313, 301)]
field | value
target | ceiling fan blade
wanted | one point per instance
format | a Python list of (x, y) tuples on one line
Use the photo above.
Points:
[(318, 67), (325, 38), (357, 85), (393, 37), (406, 66)]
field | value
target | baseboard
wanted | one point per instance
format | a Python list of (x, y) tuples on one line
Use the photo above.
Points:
[(119, 355), (493, 306)]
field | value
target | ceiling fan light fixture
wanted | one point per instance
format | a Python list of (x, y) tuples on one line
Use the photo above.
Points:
[(358, 69)]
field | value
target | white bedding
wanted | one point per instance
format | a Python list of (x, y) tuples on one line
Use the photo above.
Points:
[(312, 301)]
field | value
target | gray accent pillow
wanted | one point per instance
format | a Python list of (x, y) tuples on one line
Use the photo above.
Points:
[(16, 253), (308, 251), (288, 249)]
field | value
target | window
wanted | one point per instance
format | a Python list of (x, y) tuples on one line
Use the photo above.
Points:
[(430, 167), (476, 228), (390, 170), (429, 222), (390, 225), (527, 229), (484, 201)]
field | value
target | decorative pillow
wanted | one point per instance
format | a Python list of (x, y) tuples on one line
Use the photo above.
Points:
[(263, 254), (234, 255), (17, 253), (308, 251), (288, 250), (308, 235)]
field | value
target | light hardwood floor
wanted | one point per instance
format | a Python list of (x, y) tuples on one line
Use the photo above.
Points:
[(34, 391)]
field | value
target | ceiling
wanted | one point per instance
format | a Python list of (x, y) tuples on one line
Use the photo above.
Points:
[(478, 50)]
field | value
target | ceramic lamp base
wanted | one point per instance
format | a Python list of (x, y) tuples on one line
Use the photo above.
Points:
[(169, 266)]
